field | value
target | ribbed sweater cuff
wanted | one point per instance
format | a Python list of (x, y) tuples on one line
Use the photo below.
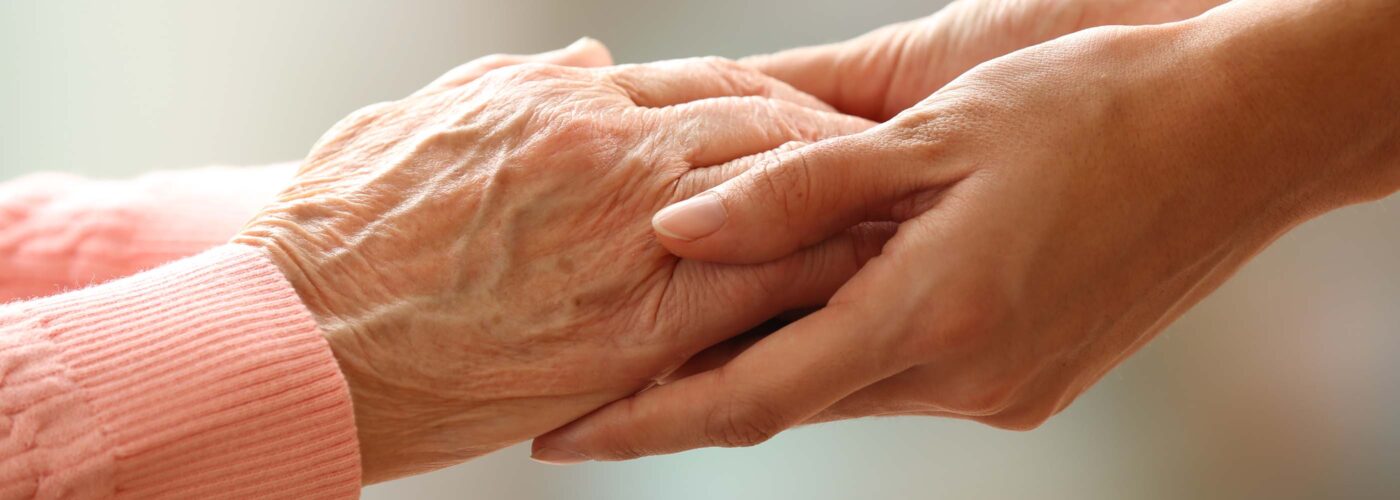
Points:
[(209, 378)]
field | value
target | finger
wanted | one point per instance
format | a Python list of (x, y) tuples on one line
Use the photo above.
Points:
[(668, 83), (781, 381), (715, 301), (803, 197), (794, 284), (719, 354), (908, 393), (853, 76), (715, 356), (924, 391), (713, 131), (814, 70), (911, 392), (757, 299), (584, 53), (699, 179)]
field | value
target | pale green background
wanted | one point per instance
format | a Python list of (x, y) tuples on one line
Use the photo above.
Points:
[(1281, 385)]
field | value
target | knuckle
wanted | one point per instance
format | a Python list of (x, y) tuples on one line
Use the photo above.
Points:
[(792, 145), (786, 182), (624, 83), (772, 280), (526, 72), (759, 161), (742, 80), (983, 399), (925, 134), (947, 123), (1028, 419), (743, 424), (721, 64), (626, 449), (775, 119)]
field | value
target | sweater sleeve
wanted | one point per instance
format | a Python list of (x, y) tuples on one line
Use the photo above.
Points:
[(59, 231), (203, 378)]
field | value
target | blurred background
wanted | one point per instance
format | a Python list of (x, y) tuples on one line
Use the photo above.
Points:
[(1283, 384)]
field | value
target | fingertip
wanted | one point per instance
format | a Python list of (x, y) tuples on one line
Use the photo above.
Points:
[(553, 455), (597, 436), (724, 247), (698, 229), (691, 219), (553, 449), (589, 52), (556, 456)]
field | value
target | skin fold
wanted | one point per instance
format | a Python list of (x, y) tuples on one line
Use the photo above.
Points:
[(884, 72), (1057, 207), (479, 257)]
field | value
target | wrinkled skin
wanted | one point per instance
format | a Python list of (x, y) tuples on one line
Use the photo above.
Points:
[(479, 254), (882, 73), (1058, 207), (877, 76)]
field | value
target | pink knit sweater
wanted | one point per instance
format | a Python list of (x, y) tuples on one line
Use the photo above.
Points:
[(204, 377)]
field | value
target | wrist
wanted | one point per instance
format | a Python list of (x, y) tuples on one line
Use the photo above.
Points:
[(292, 259), (357, 314), (286, 246)]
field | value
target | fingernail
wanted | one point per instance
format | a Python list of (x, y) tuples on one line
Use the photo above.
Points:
[(555, 456), (691, 219)]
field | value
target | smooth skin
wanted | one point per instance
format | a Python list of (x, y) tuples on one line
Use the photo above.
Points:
[(1057, 208), (479, 256), (882, 73)]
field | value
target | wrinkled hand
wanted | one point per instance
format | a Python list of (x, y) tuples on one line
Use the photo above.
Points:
[(1057, 208), (884, 72), (479, 253)]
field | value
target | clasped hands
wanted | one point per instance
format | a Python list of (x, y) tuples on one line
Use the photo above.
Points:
[(557, 248)]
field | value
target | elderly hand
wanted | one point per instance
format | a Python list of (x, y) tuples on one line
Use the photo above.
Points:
[(1058, 207), (886, 71), (479, 253)]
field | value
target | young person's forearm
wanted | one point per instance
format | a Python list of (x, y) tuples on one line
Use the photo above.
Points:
[(1319, 81)]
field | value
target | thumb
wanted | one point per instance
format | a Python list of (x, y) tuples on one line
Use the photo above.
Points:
[(780, 382), (801, 198)]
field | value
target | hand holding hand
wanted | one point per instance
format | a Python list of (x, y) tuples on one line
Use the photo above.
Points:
[(479, 254), (1057, 208), (884, 72)]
